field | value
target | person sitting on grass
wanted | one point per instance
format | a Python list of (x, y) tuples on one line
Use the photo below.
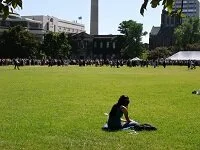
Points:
[(197, 92), (115, 121), (118, 110)]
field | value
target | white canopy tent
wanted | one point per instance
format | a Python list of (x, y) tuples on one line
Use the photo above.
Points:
[(136, 59), (185, 55)]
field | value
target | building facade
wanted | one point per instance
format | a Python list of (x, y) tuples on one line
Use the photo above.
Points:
[(163, 36), (13, 19), (86, 46), (190, 7), (40, 25), (53, 24)]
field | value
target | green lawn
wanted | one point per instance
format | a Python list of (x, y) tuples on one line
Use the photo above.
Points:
[(44, 108)]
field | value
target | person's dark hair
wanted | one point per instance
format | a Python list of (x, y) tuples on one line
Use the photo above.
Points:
[(123, 100), (194, 92)]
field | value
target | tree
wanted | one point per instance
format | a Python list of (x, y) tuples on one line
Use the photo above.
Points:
[(167, 4), (7, 6), (188, 32), (132, 31), (159, 52), (63, 45), (18, 42), (56, 45), (193, 47)]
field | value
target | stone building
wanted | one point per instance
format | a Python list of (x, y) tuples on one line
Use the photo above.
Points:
[(54, 24), (163, 36), (40, 25), (86, 46)]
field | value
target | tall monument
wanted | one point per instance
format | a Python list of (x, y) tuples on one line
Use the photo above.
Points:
[(94, 17)]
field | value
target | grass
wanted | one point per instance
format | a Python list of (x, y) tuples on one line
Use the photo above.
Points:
[(57, 108)]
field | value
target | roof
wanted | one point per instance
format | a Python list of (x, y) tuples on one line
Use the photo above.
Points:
[(31, 20), (136, 59), (185, 55), (155, 30), (81, 35), (166, 31)]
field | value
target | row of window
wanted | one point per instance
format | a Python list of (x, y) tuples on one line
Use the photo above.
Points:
[(185, 7), (170, 20), (191, 14), (189, 10), (13, 23), (65, 29), (186, 1), (35, 25), (108, 44)]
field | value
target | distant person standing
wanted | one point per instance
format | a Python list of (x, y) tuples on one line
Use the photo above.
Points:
[(192, 65), (164, 64), (118, 63), (16, 63), (154, 64), (188, 64)]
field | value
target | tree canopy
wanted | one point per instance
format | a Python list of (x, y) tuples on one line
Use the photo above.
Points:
[(18, 42), (56, 45), (158, 53), (167, 4), (188, 32), (133, 33), (7, 6)]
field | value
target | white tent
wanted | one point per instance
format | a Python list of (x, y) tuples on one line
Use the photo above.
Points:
[(185, 55), (136, 59)]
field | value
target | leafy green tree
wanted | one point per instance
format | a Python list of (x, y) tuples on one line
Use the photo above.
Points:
[(167, 4), (159, 52), (63, 45), (56, 45), (188, 32), (18, 42), (7, 6), (145, 51), (49, 46), (132, 31), (193, 47)]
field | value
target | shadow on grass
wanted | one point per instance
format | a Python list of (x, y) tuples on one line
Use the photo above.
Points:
[(141, 127)]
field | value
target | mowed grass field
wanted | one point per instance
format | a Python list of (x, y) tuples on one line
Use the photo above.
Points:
[(60, 108)]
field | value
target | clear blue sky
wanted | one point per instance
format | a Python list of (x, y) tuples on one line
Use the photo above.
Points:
[(111, 13)]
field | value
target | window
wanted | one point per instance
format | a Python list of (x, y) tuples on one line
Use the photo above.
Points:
[(107, 44), (51, 20), (101, 45), (167, 20), (113, 45), (54, 28), (82, 44), (47, 26), (191, 10), (172, 20), (95, 44)]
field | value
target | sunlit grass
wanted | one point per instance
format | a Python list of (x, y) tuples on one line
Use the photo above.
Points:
[(63, 107)]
